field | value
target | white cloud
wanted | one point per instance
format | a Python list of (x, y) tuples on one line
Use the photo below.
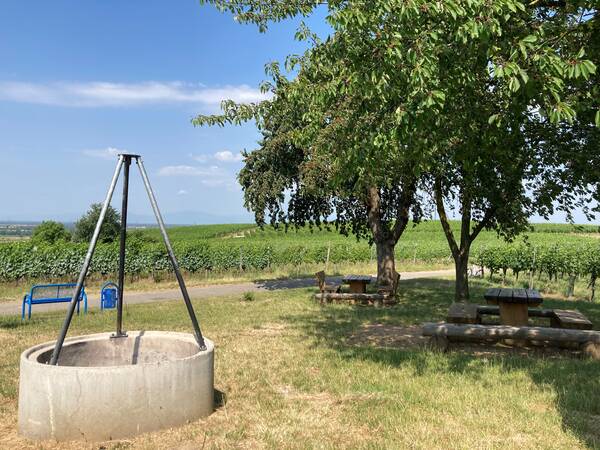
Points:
[(227, 156), (99, 94), (224, 156), (182, 192), (105, 153), (210, 176), (187, 171)]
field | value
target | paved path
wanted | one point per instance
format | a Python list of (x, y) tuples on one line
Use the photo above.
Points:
[(199, 292)]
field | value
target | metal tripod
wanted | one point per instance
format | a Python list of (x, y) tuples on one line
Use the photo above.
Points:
[(124, 163)]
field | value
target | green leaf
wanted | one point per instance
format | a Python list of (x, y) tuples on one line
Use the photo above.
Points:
[(598, 118)]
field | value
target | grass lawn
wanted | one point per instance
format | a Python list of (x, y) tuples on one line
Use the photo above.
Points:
[(298, 375)]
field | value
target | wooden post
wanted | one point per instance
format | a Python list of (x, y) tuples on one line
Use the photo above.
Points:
[(357, 287), (571, 286), (515, 314), (532, 268), (327, 259)]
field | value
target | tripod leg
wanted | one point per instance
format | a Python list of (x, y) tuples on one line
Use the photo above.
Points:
[(163, 231), (126, 164), (86, 265)]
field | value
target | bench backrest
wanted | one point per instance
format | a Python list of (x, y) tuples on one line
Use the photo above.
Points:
[(321, 279), (54, 291)]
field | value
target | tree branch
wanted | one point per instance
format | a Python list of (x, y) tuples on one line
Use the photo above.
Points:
[(402, 216), (482, 224), (439, 201), (549, 3), (465, 225)]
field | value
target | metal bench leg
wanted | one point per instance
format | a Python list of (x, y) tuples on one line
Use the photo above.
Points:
[(29, 314), (78, 302), (85, 304), (23, 310)]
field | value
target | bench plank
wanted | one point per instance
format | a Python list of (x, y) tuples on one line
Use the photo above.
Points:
[(463, 313), (500, 332), (356, 298), (571, 319), (520, 295), (491, 295), (534, 297), (532, 312)]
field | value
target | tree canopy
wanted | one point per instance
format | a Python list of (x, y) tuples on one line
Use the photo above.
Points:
[(476, 101), (50, 232), (85, 226)]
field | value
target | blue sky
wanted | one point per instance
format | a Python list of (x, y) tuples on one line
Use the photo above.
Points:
[(82, 80)]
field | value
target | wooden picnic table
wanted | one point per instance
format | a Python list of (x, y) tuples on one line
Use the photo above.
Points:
[(358, 283), (514, 304)]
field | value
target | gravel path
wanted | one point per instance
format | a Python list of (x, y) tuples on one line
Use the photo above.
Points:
[(200, 292)]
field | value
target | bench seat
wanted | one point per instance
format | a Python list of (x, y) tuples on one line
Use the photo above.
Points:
[(570, 319), (463, 313), (470, 332)]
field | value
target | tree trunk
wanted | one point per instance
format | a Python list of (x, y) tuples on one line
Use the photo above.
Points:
[(385, 238), (460, 249), (461, 264), (386, 266)]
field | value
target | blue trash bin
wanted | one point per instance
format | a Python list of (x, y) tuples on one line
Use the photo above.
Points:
[(108, 295)]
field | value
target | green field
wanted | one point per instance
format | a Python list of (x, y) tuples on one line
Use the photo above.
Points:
[(427, 237), (216, 253), (298, 375)]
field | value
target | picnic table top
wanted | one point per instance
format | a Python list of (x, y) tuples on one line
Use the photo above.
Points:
[(360, 278), (513, 295)]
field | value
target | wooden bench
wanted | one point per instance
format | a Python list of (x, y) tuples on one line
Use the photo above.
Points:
[(532, 312), (499, 332), (463, 313), (559, 318), (323, 286), (354, 298), (570, 319)]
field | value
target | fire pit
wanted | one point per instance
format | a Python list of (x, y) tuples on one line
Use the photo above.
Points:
[(114, 385), (105, 388)]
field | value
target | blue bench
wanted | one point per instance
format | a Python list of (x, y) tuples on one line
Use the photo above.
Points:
[(52, 293)]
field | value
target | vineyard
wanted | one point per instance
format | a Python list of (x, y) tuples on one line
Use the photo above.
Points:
[(551, 250), (573, 260)]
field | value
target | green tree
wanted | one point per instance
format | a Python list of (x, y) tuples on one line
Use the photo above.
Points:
[(85, 226), (442, 90), (50, 232), (351, 168), (304, 185)]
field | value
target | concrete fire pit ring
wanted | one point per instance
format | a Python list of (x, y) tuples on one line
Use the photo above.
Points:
[(105, 388)]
